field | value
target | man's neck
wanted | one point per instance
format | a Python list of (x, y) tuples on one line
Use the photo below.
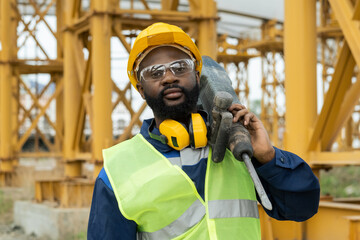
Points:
[(184, 120)]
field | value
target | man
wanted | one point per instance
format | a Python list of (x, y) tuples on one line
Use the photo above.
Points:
[(156, 186)]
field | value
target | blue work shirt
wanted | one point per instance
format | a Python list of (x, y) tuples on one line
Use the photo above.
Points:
[(289, 182)]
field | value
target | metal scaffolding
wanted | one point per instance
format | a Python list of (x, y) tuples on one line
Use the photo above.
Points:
[(62, 97)]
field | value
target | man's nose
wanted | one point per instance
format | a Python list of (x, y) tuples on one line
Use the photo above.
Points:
[(169, 77)]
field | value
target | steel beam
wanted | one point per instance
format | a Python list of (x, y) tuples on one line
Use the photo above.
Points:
[(81, 114), (72, 94), (348, 103), (71, 84), (8, 44), (300, 73), (169, 4), (356, 15), (332, 129), (300, 80), (74, 193), (127, 131), (22, 140), (344, 12), (272, 90), (59, 140), (339, 85), (335, 158), (102, 83), (207, 37)]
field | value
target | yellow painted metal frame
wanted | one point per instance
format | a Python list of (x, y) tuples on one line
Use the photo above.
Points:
[(7, 80), (272, 86), (344, 12), (236, 62), (300, 82), (271, 50), (84, 88), (314, 141), (340, 83)]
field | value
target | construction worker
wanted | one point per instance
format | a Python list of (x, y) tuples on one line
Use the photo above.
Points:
[(158, 187)]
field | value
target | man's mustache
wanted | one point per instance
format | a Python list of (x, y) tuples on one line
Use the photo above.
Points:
[(171, 86)]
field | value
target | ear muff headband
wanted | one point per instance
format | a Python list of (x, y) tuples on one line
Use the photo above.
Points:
[(197, 131), (160, 138), (176, 134)]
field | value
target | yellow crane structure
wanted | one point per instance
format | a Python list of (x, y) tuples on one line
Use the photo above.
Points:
[(72, 113)]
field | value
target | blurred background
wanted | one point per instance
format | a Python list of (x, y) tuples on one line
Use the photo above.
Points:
[(65, 96)]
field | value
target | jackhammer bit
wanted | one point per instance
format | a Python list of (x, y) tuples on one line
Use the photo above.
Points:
[(236, 137)]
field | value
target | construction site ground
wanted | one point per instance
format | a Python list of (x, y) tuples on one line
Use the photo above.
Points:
[(23, 189), (8, 230)]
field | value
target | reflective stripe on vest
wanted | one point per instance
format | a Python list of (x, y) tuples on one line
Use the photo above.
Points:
[(187, 220), (190, 157), (233, 208)]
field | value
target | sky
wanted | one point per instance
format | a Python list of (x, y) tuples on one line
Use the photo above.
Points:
[(262, 8)]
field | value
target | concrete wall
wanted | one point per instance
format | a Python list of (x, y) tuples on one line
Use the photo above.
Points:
[(48, 221)]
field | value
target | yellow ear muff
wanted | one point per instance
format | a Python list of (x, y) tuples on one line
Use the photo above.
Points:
[(176, 134), (197, 131)]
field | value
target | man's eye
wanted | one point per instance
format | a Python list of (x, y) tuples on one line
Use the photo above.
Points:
[(178, 68), (157, 73)]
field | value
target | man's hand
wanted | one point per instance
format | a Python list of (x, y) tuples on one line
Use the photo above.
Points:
[(263, 149)]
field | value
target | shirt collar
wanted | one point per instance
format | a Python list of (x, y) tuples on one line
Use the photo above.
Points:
[(157, 144)]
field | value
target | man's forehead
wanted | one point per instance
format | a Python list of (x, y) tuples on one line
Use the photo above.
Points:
[(166, 51), (162, 53)]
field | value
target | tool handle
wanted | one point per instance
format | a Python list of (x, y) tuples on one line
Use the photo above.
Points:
[(240, 141), (258, 186)]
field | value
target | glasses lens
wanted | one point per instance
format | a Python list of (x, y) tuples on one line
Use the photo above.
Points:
[(155, 72), (181, 67)]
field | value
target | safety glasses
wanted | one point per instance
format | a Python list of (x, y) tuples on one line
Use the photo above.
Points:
[(157, 72)]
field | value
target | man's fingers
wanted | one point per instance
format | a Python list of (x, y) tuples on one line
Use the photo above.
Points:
[(236, 107), (248, 117), (239, 115)]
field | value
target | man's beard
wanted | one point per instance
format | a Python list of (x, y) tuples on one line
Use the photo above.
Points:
[(178, 112)]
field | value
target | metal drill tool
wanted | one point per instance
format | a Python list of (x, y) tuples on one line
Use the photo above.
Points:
[(216, 96)]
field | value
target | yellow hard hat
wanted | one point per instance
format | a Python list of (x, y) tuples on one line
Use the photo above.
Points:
[(159, 34)]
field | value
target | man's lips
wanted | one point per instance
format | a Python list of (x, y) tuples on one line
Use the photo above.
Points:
[(173, 93)]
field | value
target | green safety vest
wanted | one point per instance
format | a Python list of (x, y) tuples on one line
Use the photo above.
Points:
[(163, 201)]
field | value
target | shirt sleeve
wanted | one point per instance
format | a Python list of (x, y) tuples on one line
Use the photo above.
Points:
[(291, 186), (106, 220)]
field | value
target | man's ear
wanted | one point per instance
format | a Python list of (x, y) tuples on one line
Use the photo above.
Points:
[(140, 89), (197, 74)]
